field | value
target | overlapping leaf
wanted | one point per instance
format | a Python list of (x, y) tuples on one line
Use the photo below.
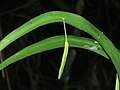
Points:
[(72, 19)]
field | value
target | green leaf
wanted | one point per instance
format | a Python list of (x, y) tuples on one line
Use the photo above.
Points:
[(65, 53), (64, 57), (72, 19), (57, 42)]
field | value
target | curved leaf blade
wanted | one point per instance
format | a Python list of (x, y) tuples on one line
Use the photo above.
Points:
[(57, 42), (72, 19)]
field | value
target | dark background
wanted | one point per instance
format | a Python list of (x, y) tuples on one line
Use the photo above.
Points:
[(84, 70)]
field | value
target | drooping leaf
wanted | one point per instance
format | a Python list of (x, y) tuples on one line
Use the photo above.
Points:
[(72, 19), (57, 42)]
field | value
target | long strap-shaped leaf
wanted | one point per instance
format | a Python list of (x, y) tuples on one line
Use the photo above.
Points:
[(72, 19), (65, 53), (57, 42)]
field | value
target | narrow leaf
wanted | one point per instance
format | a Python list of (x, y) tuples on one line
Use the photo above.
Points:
[(64, 57), (65, 53), (57, 42)]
